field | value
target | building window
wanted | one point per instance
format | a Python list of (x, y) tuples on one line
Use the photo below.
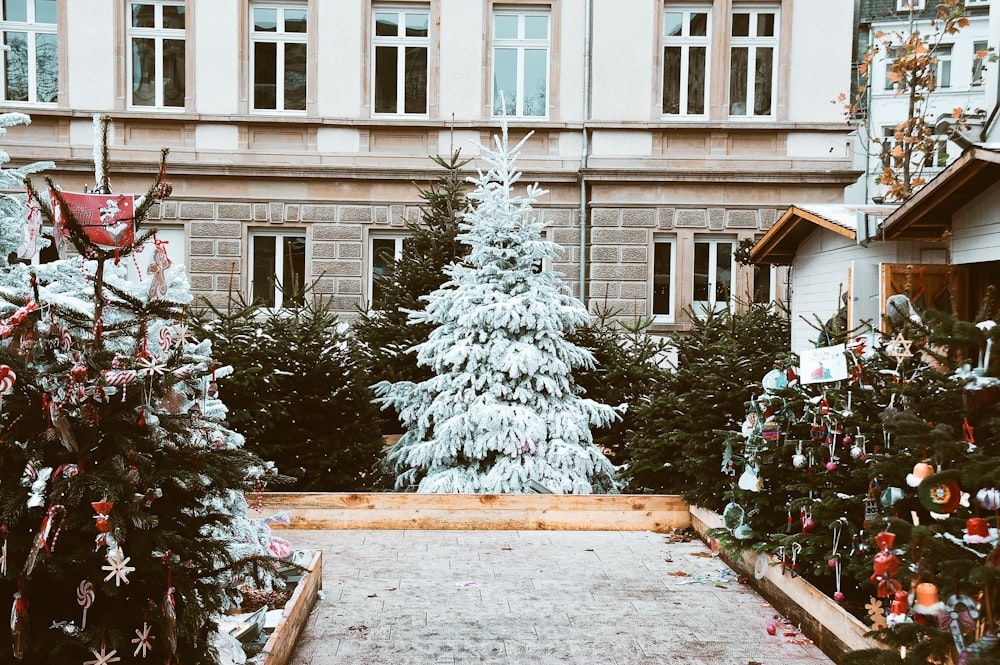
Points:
[(156, 41), (521, 63), (664, 261), (888, 146), (713, 274), (401, 43), (384, 249), (277, 268), (752, 57), (686, 41), (278, 43), (764, 283), (942, 56), (980, 51), (907, 5), (31, 57)]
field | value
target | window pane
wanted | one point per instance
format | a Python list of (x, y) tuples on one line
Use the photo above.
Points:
[(173, 17), (738, 82), (672, 22), (700, 271), (696, 80), (536, 27), (944, 78), (415, 86), (672, 79), (45, 11), (416, 25), (765, 25), (978, 64), (661, 279), (143, 74), (16, 69), (741, 25), (504, 81), (265, 19), (15, 10), (262, 285), (265, 75), (385, 79), (383, 257), (764, 78), (762, 284), (505, 26), (47, 67), (386, 24), (535, 85), (294, 270), (173, 72), (723, 271), (699, 25), (295, 77), (143, 16), (295, 20)]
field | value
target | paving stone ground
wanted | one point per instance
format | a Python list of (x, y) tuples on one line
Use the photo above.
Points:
[(535, 597)]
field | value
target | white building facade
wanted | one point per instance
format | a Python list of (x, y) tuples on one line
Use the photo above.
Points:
[(665, 132)]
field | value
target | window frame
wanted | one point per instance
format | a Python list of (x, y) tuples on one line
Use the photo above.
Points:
[(399, 238), (158, 34), (918, 5), (978, 78), (32, 28), (943, 61), (280, 38), (686, 42), (670, 316), (262, 232), (520, 45), (401, 43), (752, 43), (713, 253)]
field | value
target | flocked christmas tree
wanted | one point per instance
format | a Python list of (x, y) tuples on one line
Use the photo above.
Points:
[(123, 527), (502, 412)]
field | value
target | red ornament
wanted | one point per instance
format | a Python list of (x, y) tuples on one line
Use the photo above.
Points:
[(886, 566)]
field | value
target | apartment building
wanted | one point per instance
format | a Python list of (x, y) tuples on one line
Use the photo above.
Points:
[(665, 132), (962, 81)]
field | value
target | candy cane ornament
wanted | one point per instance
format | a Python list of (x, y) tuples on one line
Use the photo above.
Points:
[(85, 598)]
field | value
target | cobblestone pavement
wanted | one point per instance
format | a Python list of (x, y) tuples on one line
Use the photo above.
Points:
[(535, 597)]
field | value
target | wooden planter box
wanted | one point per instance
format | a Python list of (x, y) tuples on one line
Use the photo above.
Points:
[(571, 512), (834, 630), (281, 643)]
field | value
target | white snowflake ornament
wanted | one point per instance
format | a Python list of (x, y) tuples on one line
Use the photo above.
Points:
[(118, 568), (103, 657), (143, 639)]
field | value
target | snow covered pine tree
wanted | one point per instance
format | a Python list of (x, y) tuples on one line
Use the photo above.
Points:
[(123, 527), (502, 411)]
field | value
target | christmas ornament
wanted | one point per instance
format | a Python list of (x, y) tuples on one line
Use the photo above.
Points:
[(798, 459), (32, 229), (927, 602), (117, 566), (103, 657), (963, 613), (891, 496), (749, 480), (898, 612), (886, 566), (65, 340), (796, 548), (899, 349), (164, 339), (3, 552), (876, 613), (7, 379), (977, 531), (837, 528), (19, 633), (84, 598), (939, 493), (920, 471), (989, 498), (45, 539), (169, 618), (108, 220), (760, 566), (102, 510), (62, 426), (157, 267), (143, 639)]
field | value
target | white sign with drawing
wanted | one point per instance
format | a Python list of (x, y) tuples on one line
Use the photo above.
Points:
[(822, 365)]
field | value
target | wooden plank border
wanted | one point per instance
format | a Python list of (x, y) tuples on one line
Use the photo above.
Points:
[(576, 512), (834, 630), (281, 643)]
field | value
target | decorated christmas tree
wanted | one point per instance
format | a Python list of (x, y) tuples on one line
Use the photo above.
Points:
[(501, 412), (871, 469), (123, 527)]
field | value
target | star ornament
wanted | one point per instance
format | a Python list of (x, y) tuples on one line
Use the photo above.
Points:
[(143, 639), (899, 348), (103, 657), (118, 567), (149, 365)]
